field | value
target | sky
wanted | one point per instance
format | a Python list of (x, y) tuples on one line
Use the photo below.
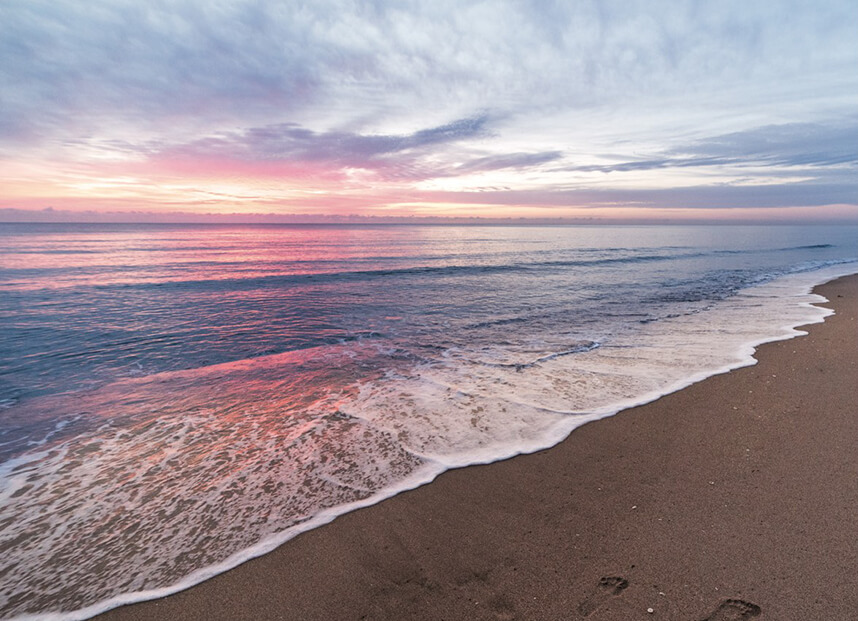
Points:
[(602, 110)]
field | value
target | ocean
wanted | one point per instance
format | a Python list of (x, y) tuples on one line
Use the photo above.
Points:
[(176, 399)]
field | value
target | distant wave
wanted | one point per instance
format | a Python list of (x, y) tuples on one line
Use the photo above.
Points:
[(811, 247), (787, 249), (280, 280)]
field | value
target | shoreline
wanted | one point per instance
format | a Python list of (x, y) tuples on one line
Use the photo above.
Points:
[(420, 575)]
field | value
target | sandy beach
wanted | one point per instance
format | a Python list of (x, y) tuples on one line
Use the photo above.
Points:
[(735, 498)]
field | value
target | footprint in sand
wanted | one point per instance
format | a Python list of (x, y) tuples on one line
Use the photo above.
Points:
[(608, 587), (734, 610)]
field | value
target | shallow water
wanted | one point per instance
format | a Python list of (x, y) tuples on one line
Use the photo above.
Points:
[(175, 399)]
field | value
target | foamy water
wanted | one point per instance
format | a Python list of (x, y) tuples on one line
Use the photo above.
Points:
[(177, 400)]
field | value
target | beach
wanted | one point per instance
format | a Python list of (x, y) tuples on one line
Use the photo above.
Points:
[(734, 498), (428, 311)]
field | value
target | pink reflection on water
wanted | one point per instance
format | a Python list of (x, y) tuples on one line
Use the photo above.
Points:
[(127, 256), (270, 393), (177, 471)]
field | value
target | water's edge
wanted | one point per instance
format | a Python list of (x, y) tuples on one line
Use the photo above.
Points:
[(745, 357)]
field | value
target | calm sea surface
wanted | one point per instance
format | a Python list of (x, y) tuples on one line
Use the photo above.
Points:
[(177, 399)]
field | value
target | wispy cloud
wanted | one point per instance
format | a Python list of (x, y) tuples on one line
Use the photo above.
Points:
[(769, 196), (423, 154), (792, 144), (651, 101), (290, 142), (509, 160), (795, 144)]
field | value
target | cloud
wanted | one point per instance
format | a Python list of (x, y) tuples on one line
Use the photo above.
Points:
[(793, 144), (803, 145), (291, 142), (513, 93), (187, 66), (508, 160), (289, 148), (723, 196)]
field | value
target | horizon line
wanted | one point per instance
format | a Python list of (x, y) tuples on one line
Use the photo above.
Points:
[(11, 215)]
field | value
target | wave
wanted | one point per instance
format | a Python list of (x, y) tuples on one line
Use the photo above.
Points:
[(521, 366), (811, 247), (785, 249), (284, 280), (721, 284)]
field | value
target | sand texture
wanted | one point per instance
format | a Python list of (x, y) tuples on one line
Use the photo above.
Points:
[(736, 498)]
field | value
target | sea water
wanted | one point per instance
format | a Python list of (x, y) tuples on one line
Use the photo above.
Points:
[(177, 399)]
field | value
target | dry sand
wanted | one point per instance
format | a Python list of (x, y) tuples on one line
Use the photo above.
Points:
[(733, 499)]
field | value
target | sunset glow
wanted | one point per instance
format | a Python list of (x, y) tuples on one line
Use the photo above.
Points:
[(120, 111)]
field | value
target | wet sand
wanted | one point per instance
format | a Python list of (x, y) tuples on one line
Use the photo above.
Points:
[(735, 498)]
